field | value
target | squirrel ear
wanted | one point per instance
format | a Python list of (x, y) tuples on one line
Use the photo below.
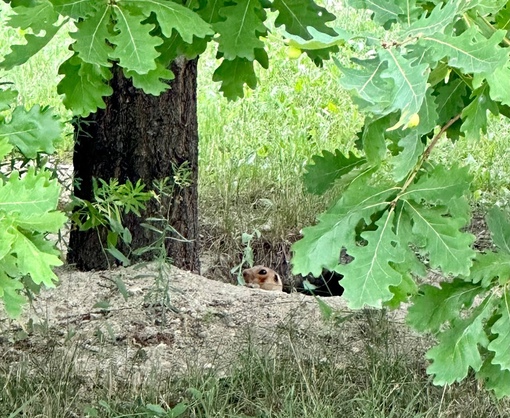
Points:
[(276, 278)]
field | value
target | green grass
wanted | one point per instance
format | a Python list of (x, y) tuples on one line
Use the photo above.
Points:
[(373, 371), (252, 161)]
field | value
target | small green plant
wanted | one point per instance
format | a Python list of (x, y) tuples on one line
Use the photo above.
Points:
[(163, 190), (247, 257), (111, 201), (28, 201)]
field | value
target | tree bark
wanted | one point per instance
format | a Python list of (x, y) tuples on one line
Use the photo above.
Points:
[(140, 136)]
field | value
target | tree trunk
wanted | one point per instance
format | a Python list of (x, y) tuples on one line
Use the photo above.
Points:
[(140, 136)]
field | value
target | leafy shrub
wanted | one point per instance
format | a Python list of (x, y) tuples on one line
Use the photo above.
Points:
[(434, 76), (28, 201)]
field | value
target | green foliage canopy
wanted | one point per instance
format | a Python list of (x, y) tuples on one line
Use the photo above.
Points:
[(436, 72), (145, 36)]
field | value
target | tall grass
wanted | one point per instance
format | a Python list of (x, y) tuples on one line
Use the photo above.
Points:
[(253, 152)]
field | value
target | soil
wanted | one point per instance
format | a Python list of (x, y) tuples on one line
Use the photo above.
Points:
[(128, 322), (180, 321)]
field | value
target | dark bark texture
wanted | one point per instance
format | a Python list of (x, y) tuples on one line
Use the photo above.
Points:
[(140, 136)]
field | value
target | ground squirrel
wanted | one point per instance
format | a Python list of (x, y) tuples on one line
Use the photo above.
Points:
[(261, 277)]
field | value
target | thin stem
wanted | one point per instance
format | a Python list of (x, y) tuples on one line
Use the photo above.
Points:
[(424, 157)]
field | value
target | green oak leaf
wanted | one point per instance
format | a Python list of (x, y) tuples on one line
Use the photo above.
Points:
[(240, 31), (460, 208), (435, 306), (84, 86), (32, 198), (470, 52), (154, 81), (77, 9), (496, 379), (450, 99), (489, 266), (499, 224), (262, 58), (5, 146), (405, 161), (8, 262), (135, 46), (412, 144), (321, 175), (192, 51), (501, 329), (440, 74), (233, 75), (91, 38), (374, 139), (299, 15), (403, 291), (9, 292), (448, 247), (6, 236), (43, 244), (441, 185), (474, 115), (7, 98), (368, 278), (443, 15), (428, 114), (169, 50), (486, 7), (321, 244), (318, 56), (319, 40), (210, 11), (172, 16), (370, 91), (411, 267), (410, 83), (21, 53), (503, 18), (47, 222), (39, 16), (404, 228), (33, 131), (411, 12), (31, 260), (457, 349), (499, 83), (385, 11)]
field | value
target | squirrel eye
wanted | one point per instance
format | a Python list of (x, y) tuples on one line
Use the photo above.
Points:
[(262, 271)]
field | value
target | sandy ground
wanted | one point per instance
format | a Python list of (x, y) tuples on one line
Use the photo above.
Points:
[(128, 318)]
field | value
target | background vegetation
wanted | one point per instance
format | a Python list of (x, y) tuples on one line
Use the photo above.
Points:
[(252, 153)]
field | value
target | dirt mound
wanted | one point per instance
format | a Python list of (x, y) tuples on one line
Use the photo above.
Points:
[(144, 318)]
